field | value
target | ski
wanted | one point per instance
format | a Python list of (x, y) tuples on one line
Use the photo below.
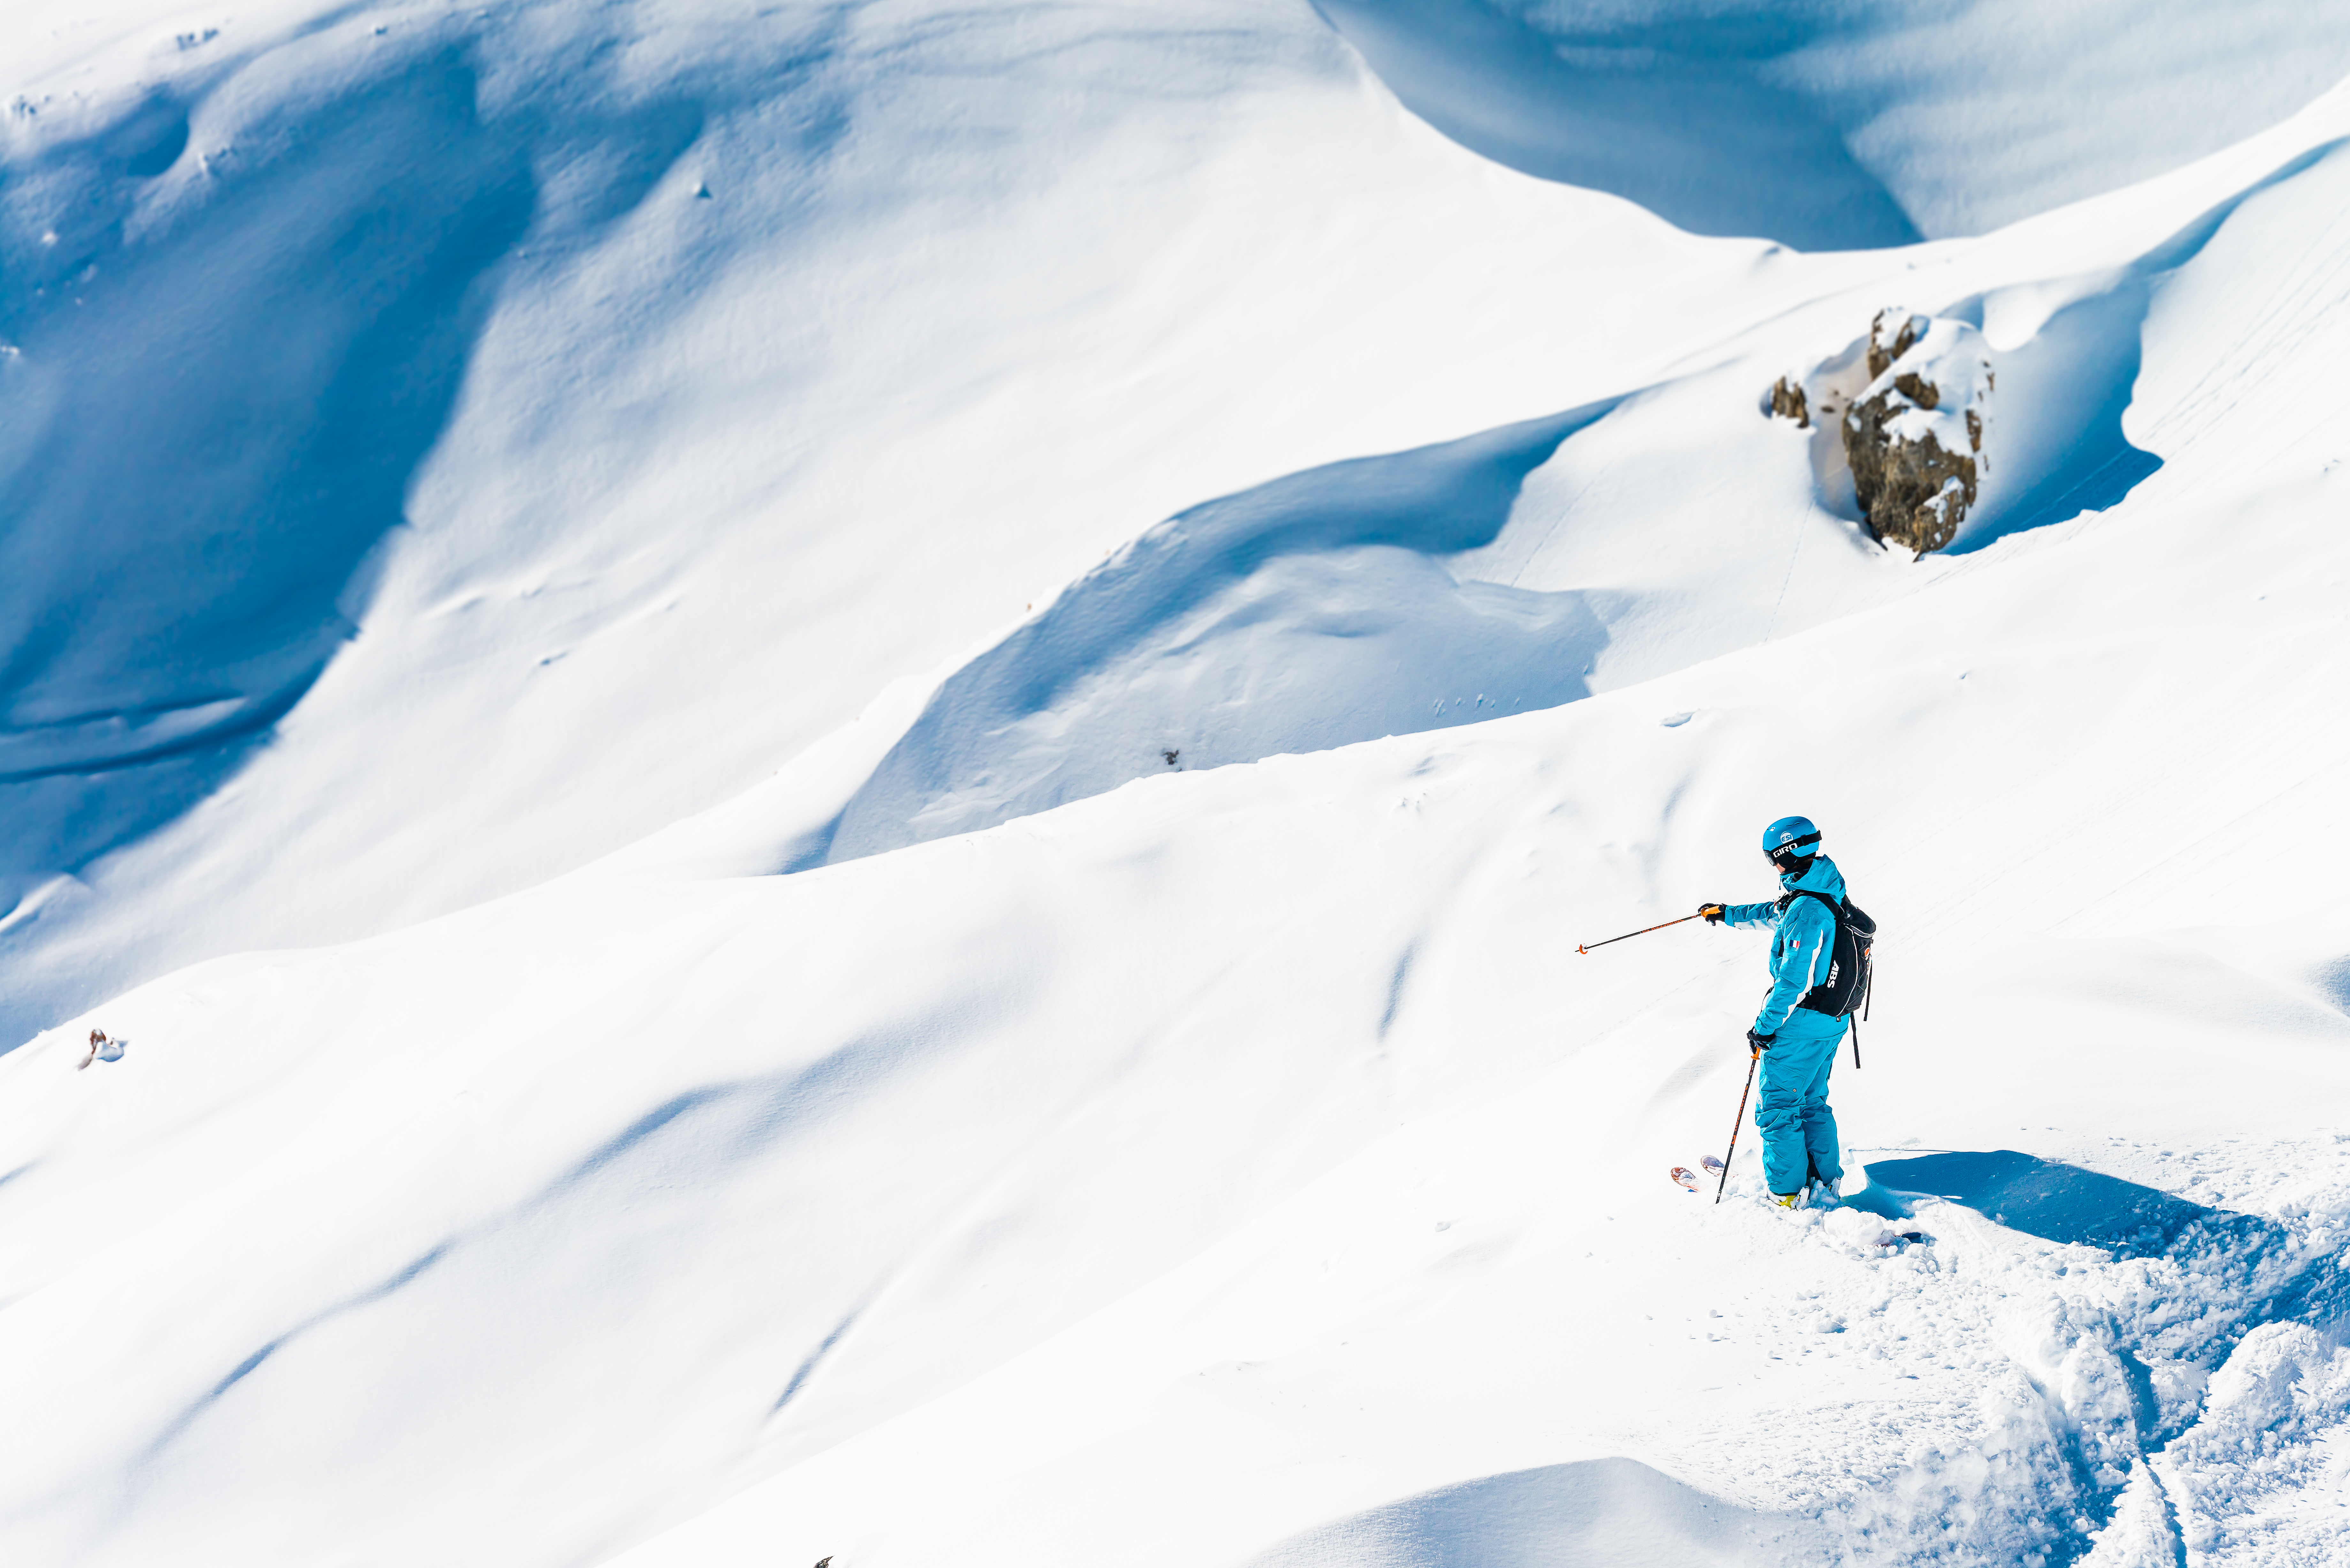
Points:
[(1684, 1176)]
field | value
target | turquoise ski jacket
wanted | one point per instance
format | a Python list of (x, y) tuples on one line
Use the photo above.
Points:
[(1804, 945)]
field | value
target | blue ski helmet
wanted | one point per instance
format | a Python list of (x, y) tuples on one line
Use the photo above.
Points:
[(1790, 841)]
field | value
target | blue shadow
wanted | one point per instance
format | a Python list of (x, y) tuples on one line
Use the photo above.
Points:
[(2067, 1204), (215, 420), (1680, 114), (226, 420), (2084, 365), (2333, 983), (1353, 631), (1590, 1513)]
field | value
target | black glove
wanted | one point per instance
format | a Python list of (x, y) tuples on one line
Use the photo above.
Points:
[(1712, 913), (1758, 1043)]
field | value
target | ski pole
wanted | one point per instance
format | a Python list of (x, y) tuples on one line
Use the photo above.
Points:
[(1644, 930), (1750, 1062)]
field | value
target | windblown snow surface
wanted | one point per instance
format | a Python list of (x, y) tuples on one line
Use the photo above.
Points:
[(834, 768)]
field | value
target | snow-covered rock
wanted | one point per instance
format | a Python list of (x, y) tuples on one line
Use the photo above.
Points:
[(1787, 400), (1914, 435)]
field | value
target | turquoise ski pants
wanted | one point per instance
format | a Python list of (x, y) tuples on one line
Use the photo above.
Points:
[(1799, 1131)]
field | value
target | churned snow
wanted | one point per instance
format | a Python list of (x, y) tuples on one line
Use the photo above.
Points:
[(828, 777)]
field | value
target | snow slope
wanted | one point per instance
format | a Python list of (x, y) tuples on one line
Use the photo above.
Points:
[(1233, 1164), (1249, 1133), (694, 381), (646, 387), (1518, 568)]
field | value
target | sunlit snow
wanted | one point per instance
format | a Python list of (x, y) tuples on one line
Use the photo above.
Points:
[(826, 774)]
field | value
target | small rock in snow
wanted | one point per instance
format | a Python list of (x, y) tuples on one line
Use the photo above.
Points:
[(1786, 400), (103, 1047)]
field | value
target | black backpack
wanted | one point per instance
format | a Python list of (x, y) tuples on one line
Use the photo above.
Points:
[(1846, 990)]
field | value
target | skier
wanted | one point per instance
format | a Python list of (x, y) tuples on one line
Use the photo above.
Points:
[(1797, 1043)]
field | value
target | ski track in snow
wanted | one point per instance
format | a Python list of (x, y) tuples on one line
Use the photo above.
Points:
[(1160, 1117), (2058, 1377)]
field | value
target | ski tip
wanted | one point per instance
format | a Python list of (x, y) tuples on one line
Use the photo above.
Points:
[(1687, 1177), (1712, 1166)]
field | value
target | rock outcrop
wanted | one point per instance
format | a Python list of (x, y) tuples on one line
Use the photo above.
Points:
[(1788, 402), (1914, 436)]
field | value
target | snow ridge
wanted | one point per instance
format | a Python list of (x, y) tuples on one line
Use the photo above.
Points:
[(1833, 127)]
